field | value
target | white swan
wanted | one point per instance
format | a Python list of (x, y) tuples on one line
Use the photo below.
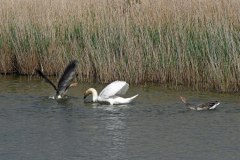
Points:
[(111, 93), (64, 82)]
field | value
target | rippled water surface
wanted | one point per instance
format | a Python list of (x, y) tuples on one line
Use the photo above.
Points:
[(156, 126)]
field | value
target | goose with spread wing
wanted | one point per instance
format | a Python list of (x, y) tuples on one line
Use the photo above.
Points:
[(111, 93), (65, 80), (205, 106)]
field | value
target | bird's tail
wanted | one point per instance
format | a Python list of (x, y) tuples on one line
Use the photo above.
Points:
[(132, 98)]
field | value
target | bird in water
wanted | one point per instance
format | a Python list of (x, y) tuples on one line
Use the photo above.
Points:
[(64, 82), (111, 93), (205, 106)]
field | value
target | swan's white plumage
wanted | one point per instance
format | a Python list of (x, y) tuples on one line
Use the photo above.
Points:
[(116, 88), (111, 93)]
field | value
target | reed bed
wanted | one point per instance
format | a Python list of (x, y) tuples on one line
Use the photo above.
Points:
[(178, 42)]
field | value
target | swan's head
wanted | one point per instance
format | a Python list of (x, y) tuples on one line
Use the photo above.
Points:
[(89, 92)]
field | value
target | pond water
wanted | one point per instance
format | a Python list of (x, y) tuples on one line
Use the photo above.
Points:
[(155, 126)]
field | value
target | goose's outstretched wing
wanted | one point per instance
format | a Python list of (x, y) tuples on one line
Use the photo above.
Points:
[(46, 79), (209, 105), (116, 88), (67, 76)]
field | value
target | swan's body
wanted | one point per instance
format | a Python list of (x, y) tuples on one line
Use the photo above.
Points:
[(111, 93), (64, 82), (205, 106)]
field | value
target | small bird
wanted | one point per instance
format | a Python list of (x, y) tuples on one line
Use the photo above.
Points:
[(111, 93), (64, 82), (205, 106)]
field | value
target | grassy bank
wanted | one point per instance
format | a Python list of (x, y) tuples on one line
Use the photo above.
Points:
[(178, 42)]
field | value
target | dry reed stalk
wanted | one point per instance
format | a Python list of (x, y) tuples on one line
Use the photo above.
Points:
[(178, 42)]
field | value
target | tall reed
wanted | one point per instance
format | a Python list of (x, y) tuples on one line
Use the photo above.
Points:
[(178, 42)]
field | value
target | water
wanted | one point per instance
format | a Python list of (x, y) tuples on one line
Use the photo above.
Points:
[(156, 126)]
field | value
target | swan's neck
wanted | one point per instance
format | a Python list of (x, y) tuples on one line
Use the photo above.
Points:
[(94, 94)]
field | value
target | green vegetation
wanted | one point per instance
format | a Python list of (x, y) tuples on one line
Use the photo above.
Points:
[(179, 42)]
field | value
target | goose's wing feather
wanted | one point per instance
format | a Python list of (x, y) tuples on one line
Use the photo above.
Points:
[(210, 105), (116, 88), (67, 76), (46, 79)]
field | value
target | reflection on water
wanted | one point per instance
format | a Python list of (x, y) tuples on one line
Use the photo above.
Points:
[(155, 126)]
